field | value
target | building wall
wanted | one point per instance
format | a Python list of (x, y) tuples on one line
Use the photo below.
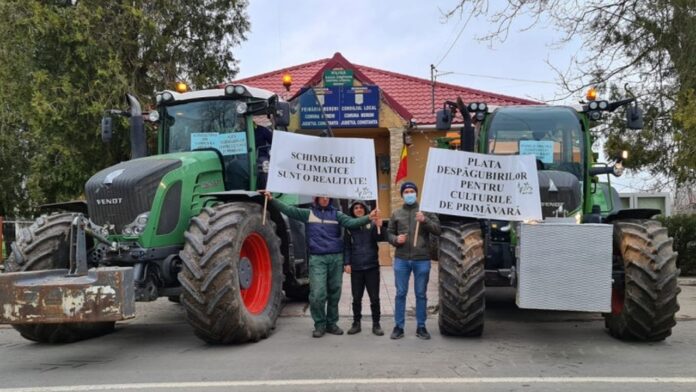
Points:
[(418, 156)]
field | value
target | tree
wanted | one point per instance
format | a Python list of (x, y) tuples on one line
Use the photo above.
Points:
[(648, 45), (62, 63)]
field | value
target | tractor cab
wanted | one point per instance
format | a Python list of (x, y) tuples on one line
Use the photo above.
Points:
[(554, 136), (221, 120)]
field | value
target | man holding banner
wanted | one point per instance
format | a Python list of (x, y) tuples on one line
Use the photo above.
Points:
[(329, 167), (323, 230), (409, 232)]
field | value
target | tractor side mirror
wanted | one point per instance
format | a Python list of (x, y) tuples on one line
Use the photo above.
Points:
[(634, 117), (106, 129), (444, 119), (282, 114)]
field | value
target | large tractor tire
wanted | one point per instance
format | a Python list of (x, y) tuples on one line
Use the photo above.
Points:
[(231, 274), (45, 246), (644, 307), (462, 280)]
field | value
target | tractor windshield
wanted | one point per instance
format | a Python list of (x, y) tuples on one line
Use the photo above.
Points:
[(210, 124), (552, 134)]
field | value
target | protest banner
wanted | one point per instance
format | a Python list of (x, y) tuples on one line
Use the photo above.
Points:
[(322, 166), (483, 186)]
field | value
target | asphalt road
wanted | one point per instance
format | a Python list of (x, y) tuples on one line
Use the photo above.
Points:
[(520, 351)]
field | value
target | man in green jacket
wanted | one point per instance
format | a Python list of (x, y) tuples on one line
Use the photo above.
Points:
[(325, 243), (411, 258)]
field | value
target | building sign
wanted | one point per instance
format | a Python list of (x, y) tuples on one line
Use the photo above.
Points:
[(504, 187), (338, 77), (341, 107)]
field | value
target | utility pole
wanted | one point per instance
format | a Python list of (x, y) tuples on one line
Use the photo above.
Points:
[(432, 85)]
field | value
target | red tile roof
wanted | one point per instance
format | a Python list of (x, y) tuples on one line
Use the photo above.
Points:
[(409, 96)]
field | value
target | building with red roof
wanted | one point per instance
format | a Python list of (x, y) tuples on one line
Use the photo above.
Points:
[(403, 105)]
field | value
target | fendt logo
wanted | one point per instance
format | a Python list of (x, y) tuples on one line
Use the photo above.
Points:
[(112, 201)]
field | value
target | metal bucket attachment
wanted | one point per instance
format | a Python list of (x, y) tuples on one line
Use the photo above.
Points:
[(40, 297)]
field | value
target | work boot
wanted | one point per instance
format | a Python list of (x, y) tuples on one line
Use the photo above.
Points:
[(397, 333), (422, 333), (334, 330), (377, 329), (355, 328), (318, 332)]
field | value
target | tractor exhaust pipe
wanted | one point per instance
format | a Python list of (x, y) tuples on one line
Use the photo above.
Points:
[(137, 125)]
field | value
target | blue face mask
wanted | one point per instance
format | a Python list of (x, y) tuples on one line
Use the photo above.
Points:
[(410, 198)]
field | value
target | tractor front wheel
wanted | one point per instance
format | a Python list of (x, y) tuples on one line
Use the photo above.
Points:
[(232, 274), (44, 246), (461, 280), (644, 306)]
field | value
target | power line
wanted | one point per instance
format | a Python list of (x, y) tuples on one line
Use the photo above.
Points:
[(455, 41), (498, 78)]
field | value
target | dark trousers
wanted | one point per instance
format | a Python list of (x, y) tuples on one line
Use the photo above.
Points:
[(359, 280)]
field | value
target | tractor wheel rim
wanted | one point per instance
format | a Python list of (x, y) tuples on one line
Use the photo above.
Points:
[(617, 301), (258, 293)]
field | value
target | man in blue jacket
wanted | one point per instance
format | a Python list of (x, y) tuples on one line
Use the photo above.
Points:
[(323, 231)]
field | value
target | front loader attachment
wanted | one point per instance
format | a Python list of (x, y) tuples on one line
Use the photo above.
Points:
[(55, 296)]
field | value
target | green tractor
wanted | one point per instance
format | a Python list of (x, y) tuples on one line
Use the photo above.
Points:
[(186, 224), (588, 254)]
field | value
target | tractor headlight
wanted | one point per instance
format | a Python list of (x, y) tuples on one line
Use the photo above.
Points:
[(241, 108), (138, 225)]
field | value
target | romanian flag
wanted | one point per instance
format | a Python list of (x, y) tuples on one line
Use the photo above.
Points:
[(403, 165)]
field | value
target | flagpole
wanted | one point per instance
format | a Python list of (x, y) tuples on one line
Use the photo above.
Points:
[(265, 207)]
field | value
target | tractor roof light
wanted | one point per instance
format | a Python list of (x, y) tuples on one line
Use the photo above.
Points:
[(181, 87), (473, 107), (287, 81), (591, 94), (158, 98), (595, 115), (624, 154), (167, 96), (153, 116), (603, 105), (235, 90), (241, 107), (593, 105)]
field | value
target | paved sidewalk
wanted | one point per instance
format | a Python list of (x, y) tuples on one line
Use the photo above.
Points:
[(387, 292)]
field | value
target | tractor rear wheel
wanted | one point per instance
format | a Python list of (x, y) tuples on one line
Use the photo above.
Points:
[(643, 308), (461, 280), (45, 246), (231, 274)]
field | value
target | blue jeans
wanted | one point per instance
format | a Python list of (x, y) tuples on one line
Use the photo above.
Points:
[(421, 275)]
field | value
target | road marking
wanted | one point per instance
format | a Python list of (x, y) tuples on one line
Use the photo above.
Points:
[(367, 381)]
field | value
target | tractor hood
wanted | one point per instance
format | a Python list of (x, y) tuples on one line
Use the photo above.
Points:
[(117, 194)]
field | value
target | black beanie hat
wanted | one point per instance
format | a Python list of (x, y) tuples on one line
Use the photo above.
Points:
[(407, 185)]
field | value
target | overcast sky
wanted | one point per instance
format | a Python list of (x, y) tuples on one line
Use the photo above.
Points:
[(407, 36), (403, 36)]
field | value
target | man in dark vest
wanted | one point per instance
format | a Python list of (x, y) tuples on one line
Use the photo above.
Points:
[(323, 230)]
